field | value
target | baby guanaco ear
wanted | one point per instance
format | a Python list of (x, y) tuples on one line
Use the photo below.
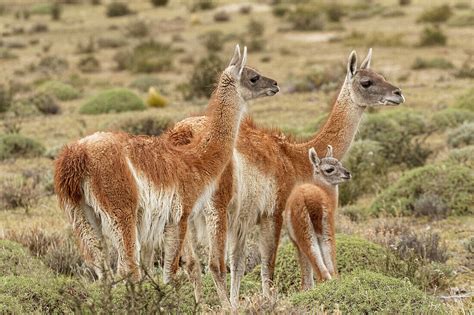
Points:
[(329, 151), (313, 158), (243, 61), (366, 63), (352, 64), (236, 57)]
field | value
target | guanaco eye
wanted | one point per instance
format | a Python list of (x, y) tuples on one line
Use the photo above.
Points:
[(329, 170), (255, 79), (366, 83)]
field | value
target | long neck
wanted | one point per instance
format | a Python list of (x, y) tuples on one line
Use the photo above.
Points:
[(331, 190), (225, 112)]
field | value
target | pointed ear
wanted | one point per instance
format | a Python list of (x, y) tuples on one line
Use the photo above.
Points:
[(366, 63), (352, 64), (329, 151), (243, 61), (313, 158), (236, 57)]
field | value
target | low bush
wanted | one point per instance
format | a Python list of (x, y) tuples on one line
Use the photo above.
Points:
[(89, 64), (434, 63), (20, 191), (45, 103), (111, 42), (431, 206), (113, 100), (221, 16), (318, 78), (354, 213), (62, 91), (137, 28), (463, 156), (149, 125), (466, 101), (56, 11), (16, 146), (159, 3), (41, 9), (401, 133), (53, 65), (356, 38), (432, 36), (86, 47), (307, 18), (451, 118), (16, 261), (462, 20), (213, 40), (204, 77), (466, 71), (5, 98), (350, 293), (334, 12), (437, 14), (461, 136), (115, 9), (454, 185), (143, 83), (151, 56), (201, 5)]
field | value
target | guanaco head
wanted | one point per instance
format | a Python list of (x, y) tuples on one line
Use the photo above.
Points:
[(252, 83), (367, 87), (328, 169)]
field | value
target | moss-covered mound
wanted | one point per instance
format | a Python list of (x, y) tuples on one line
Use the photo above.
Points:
[(15, 261), (113, 100), (60, 90), (366, 292), (453, 184), (16, 145)]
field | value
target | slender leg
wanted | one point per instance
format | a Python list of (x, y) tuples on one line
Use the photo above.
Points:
[(270, 229), (193, 266), (128, 250), (237, 242), (328, 243), (147, 257), (307, 280), (174, 240)]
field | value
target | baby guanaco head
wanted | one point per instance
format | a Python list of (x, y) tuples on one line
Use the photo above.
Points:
[(328, 169), (367, 87)]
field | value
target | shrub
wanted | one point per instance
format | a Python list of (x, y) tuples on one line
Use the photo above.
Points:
[(461, 136), (45, 103), (151, 56), (432, 36), (280, 10), (5, 98), (53, 65), (462, 20), (203, 77), (466, 70), (20, 191), (318, 78), (398, 131), (368, 168), (436, 14), (463, 156), (434, 63), (450, 118), (199, 5), (466, 101), (15, 146), (334, 12), (387, 295), (137, 29), (255, 31), (454, 185), (16, 261), (41, 9), (60, 90), (56, 11), (404, 2), (113, 100), (89, 64), (213, 40), (374, 39), (87, 47), (111, 42), (39, 28), (431, 206), (159, 3), (143, 83), (115, 9), (354, 213), (221, 16), (150, 125), (307, 18)]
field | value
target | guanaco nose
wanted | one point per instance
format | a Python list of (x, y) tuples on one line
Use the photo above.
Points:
[(398, 92), (275, 83)]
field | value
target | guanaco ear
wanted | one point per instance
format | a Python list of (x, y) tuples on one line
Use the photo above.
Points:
[(352, 64), (313, 158), (366, 63), (236, 57), (329, 151), (243, 61)]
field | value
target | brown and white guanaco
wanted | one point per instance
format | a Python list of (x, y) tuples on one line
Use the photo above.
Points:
[(309, 217)]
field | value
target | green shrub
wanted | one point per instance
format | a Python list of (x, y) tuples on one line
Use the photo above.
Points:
[(318, 78), (113, 100), (453, 184), (461, 136), (366, 292), (156, 99), (466, 71), (56, 11), (40, 294), (280, 10), (466, 101), (89, 64), (111, 42), (432, 36), (199, 5), (204, 77), (213, 40), (45, 103), (356, 38), (137, 28), (434, 63), (354, 213), (149, 125), (399, 132), (463, 156), (115, 9), (53, 65), (368, 167), (143, 83), (16, 261), (151, 56), (16, 145), (159, 3), (307, 18), (10, 305), (41, 9), (60, 90), (462, 20), (450, 118), (437, 14), (334, 12), (5, 98)]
